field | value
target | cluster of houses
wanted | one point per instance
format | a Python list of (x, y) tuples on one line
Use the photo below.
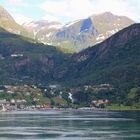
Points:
[(17, 55), (99, 87), (25, 89), (12, 104), (19, 91), (34, 92)]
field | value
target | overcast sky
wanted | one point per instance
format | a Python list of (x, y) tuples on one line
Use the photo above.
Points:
[(69, 10)]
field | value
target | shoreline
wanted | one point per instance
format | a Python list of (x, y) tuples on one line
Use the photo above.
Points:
[(74, 109)]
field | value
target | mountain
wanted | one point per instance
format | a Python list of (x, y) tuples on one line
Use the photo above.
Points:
[(115, 61), (42, 29), (80, 34), (9, 24), (108, 23), (76, 35), (22, 60), (88, 32), (73, 36)]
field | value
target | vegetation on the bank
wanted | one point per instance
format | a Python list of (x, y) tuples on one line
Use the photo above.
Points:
[(121, 108), (98, 96), (23, 61)]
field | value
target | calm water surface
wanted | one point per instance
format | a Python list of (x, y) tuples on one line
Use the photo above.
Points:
[(70, 125)]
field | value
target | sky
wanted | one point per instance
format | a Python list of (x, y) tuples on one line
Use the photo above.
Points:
[(68, 10)]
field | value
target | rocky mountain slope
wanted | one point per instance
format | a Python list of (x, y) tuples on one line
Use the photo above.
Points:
[(76, 35), (73, 36), (83, 33), (43, 29), (108, 24)]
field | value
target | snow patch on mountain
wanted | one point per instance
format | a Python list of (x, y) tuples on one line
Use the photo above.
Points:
[(49, 34), (100, 37), (71, 23), (55, 26)]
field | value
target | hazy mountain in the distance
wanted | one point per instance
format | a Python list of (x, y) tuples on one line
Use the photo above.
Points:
[(81, 33)]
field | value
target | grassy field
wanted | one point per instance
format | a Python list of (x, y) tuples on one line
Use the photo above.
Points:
[(121, 108)]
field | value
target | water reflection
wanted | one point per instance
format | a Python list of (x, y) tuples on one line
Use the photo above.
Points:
[(70, 125)]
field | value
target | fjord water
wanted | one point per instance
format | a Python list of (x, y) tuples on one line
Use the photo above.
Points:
[(70, 125)]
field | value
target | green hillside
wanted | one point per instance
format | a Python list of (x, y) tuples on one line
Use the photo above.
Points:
[(115, 61), (24, 61)]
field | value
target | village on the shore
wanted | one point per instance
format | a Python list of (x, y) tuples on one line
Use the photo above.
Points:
[(31, 97)]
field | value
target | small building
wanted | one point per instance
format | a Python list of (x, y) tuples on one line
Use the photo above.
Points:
[(100, 103), (17, 55), (12, 102), (3, 101), (55, 86)]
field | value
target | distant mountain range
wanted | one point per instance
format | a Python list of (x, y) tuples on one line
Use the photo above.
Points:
[(73, 36), (43, 29), (79, 34)]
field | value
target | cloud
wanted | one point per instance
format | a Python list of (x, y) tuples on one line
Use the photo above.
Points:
[(17, 3), (69, 8), (20, 19), (120, 7), (77, 9), (50, 17)]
